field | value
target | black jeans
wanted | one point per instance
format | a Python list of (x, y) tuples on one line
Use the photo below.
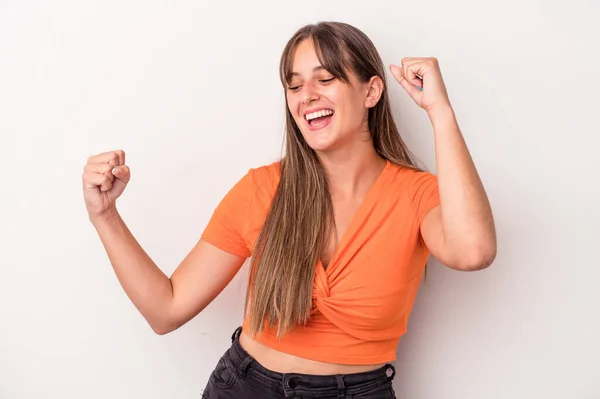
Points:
[(239, 376)]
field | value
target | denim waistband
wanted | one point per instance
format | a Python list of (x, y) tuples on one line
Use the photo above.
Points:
[(354, 383)]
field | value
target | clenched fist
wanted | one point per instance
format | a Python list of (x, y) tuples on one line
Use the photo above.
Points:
[(104, 179)]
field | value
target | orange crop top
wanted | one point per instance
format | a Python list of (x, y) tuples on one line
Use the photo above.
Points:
[(362, 300)]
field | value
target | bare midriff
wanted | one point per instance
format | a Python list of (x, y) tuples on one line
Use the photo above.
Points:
[(282, 362)]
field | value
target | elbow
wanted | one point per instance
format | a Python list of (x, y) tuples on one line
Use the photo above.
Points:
[(161, 330), (475, 266), (473, 260), (163, 319), (479, 260), (163, 327)]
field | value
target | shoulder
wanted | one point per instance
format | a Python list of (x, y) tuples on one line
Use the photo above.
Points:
[(265, 178), (412, 178), (260, 176), (420, 188), (260, 181), (270, 172)]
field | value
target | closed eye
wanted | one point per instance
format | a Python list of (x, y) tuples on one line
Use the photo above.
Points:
[(294, 88)]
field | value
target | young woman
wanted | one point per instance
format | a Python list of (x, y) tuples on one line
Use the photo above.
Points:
[(338, 231)]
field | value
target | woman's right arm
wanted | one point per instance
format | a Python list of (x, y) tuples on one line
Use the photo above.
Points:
[(166, 303)]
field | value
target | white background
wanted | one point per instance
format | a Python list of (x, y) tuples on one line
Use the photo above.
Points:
[(190, 91)]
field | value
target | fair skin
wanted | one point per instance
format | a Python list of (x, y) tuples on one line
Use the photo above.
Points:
[(460, 232), (344, 146)]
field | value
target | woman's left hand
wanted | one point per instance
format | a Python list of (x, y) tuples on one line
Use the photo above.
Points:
[(422, 80)]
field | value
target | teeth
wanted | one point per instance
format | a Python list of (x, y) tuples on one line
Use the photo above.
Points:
[(318, 114)]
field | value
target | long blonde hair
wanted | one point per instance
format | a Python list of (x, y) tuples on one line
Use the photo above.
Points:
[(299, 224)]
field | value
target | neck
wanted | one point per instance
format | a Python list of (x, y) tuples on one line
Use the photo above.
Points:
[(351, 173)]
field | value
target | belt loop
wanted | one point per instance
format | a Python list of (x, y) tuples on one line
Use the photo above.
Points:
[(340, 383), (390, 372), (243, 367), (236, 333)]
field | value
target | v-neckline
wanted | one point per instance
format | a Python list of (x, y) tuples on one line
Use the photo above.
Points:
[(365, 203)]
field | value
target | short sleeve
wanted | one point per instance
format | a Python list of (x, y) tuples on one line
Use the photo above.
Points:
[(226, 228), (425, 194)]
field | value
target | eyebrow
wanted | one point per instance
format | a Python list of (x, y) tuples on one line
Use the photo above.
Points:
[(315, 69)]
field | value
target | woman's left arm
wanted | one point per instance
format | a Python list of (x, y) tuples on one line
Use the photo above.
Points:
[(460, 232)]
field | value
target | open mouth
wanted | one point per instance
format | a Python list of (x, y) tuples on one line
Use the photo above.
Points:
[(319, 119)]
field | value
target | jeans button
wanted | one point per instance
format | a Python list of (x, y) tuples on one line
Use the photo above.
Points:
[(291, 383)]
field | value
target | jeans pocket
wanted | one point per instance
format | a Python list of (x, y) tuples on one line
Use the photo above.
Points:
[(382, 391), (224, 375)]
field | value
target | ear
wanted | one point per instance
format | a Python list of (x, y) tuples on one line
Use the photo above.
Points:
[(375, 90)]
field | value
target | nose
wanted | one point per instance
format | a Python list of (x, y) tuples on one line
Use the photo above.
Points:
[(310, 93)]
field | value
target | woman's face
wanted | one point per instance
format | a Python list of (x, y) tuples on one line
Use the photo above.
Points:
[(329, 112)]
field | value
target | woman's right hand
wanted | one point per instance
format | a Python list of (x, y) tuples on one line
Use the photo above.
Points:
[(105, 177)]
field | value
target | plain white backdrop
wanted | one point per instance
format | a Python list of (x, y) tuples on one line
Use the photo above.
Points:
[(190, 91)]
